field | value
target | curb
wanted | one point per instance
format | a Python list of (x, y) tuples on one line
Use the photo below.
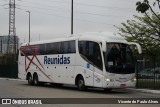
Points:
[(12, 79)]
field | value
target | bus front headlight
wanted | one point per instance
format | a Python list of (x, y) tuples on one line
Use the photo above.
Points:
[(134, 79), (108, 80)]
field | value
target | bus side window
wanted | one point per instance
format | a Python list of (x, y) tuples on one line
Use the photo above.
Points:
[(68, 47), (28, 51), (61, 47), (82, 46), (94, 54), (72, 47), (53, 48), (42, 50), (90, 51)]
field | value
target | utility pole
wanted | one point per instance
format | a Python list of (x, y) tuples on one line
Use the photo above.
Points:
[(1, 46), (72, 17), (29, 26), (11, 27)]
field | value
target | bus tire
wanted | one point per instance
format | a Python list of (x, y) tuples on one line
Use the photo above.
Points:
[(30, 81), (81, 84), (35, 80)]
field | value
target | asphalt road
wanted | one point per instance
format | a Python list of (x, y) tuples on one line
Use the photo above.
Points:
[(20, 89)]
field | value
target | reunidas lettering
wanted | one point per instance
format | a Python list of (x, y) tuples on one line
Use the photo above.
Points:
[(57, 60)]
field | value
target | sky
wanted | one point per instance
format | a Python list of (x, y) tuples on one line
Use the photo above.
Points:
[(52, 18)]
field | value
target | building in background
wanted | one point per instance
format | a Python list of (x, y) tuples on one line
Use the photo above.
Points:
[(4, 44)]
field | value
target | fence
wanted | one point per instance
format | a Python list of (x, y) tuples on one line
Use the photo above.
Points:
[(148, 74), (9, 70)]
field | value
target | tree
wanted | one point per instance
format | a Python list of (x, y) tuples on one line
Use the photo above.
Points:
[(8, 59), (145, 29)]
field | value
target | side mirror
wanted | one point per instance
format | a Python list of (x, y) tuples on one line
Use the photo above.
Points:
[(137, 45), (104, 48)]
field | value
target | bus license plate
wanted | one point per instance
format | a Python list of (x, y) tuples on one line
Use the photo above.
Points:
[(123, 85)]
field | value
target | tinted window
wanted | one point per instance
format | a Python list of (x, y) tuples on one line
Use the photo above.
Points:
[(42, 49), (82, 48), (33, 49), (68, 47), (53, 48), (90, 51), (28, 51), (72, 46), (50, 48)]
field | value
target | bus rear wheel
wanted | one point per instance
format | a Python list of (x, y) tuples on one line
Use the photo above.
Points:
[(30, 82), (81, 84), (35, 80)]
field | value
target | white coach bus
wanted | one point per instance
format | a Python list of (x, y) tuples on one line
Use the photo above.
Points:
[(84, 60)]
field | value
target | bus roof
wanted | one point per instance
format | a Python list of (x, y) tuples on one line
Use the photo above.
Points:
[(91, 36), (102, 36)]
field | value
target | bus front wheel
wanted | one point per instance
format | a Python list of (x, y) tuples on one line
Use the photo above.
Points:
[(81, 84)]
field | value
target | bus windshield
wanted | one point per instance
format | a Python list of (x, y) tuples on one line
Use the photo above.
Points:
[(119, 59)]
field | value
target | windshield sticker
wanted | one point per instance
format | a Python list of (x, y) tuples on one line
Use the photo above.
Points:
[(110, 63)]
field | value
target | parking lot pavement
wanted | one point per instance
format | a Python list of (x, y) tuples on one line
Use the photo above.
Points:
[(133, 89)]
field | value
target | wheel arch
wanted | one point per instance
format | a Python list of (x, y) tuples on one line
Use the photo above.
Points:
[(35, 74), (77, 78)]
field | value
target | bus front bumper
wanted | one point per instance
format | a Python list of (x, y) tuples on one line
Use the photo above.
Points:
[(119, 84)]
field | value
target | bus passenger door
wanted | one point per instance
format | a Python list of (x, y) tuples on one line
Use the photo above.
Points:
[(97, 77), (88, 70)]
